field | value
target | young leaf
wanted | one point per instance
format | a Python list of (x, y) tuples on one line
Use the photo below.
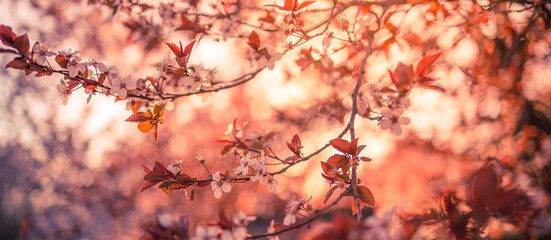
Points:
[(175, 49), (354, 208), (147, 185), (425, 63), (327, 169), (303, 5), (7, 36), (139, 117), (187, 50), (146, 126), (341, 145), (254, 41), (22, 44), (337, 160), (366, 196), (17, 63), (145, 169)]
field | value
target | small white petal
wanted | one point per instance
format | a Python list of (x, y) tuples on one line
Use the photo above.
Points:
[(122, 93), (226, 187), (387, 113), (404, 120), (397, 129), (217, 193), (385, 124)]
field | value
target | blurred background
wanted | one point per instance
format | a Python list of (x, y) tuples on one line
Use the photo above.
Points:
[(73, 171)]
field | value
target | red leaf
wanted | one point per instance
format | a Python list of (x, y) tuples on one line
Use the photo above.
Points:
[(291, 5), (147, 185), (366, 196), (7, 36), (140, 117), (433, 87), (254, 41), (62, 61), (402, 76), (359, 149), (146, 126), (268, 18), (337, 160), (354, 208), (175, 49), (484, 185), (295, 145), (425, 63), (327, 169), (145, 169), (303, 5), (354, 147), (22, 44), (17, 63), (341, 145), (225, 139), (365, 159), (187, 50), (296, 141), (425, 80)]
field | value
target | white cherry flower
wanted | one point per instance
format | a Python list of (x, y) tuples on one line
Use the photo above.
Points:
[(244, 164), (260, 169), (40, 52), (392, 119), (271, 183), (202, 233), (165, 220), (269, 59), (238, 233), (74, 67), (174, 166), (63, 91), (242, 219), (121, 86), (272, 229), (109, 70), (293, 206), (218, 186)]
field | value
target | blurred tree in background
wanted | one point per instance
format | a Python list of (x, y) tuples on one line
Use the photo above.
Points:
[(275, 119)]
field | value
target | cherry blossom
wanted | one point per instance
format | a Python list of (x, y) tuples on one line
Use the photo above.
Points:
[(218, 186), (260, 169), (242, 219), (383, 227), (392, 119), (327, 40), (238, 233), (294, 204), (244, 164), (40, 52), (165, 220), (272, 229), (174, 167), (121, 86), (74, 66), (269, 59), (271, 183), (109, 70), (202, 233), (63, 91)]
